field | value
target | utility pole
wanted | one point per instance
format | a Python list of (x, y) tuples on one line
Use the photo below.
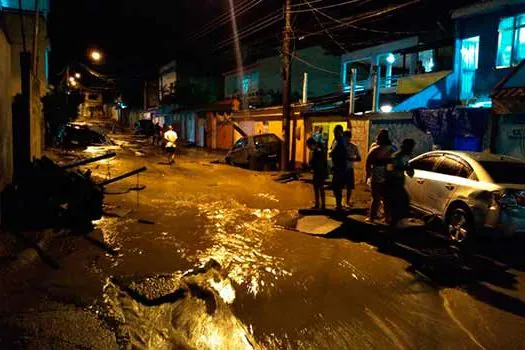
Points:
[(286, 86), (35, 38)]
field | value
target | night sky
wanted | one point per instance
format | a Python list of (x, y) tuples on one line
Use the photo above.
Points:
[(138, 36)]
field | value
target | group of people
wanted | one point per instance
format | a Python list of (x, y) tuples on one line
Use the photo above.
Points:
[(385, 172)]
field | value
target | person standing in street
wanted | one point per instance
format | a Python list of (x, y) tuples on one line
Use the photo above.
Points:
[(170, 137), (156, 133), (339, 155), (397, 198), (353, 156), (319, 166), (376, 163)]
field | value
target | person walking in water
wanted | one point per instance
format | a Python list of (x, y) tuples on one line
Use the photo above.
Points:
[(376, 163), (319, 166), (339, 155), (353, 156), (170, 137), (397, 198)]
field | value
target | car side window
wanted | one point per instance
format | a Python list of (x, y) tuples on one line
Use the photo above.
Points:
[(465, 171), (426, 163), (240, 143), (449, 166)]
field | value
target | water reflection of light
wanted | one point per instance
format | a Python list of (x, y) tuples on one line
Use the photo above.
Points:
[(225, 290), (238, 234)]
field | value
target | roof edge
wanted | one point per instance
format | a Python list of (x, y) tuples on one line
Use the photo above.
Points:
[(482, 8)]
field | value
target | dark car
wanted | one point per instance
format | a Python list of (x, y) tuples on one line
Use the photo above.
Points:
[(256, 152), (75, 135)]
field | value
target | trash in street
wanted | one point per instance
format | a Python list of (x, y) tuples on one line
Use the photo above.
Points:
[(50, 195)]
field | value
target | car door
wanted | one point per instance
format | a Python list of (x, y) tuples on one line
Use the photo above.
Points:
[(237, 152), (446, 179), (416, 185)]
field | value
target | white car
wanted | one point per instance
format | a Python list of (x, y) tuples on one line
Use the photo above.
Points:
[(471, 192)]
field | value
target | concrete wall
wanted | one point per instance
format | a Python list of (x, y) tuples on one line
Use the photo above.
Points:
[(39, 79), (6, 135), (360, 136), (400, 126)]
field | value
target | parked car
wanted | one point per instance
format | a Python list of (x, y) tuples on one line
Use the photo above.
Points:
[(256, 151), (79, 135), (473, 193)]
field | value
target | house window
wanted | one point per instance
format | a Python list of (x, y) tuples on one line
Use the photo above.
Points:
[(250, 83), (469, 65), (427, 59), (245, 85), (511, 41)]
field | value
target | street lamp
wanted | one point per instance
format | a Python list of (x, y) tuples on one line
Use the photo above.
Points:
[(95, 55), (77, 75)]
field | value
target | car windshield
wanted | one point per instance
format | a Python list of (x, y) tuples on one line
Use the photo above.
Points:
[(505, 172), (263, 139)]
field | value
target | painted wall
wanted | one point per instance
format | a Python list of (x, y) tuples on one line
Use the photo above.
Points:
[(6, 135), (400, 126), (432, 96), (321, 81), (511, 137), (486, 27)]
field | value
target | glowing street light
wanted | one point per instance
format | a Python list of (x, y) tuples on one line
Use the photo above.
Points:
[(71, 79), (77, 75), (95, 55)]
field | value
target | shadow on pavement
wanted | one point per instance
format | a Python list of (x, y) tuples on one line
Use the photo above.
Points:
[(472, 269)]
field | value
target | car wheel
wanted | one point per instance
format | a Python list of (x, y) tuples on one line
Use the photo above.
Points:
[(252, 163), (228, 160), (459, 225)]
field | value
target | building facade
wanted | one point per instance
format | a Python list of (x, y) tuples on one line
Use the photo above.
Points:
[(11, 46), (260, 84)]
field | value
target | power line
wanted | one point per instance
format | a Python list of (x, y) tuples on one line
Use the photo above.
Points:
[(303, 4), (341, 46), (361, 17), (216, 20), (248, 5), (328, 6), (295, 56), (264, 23), (315, 10)]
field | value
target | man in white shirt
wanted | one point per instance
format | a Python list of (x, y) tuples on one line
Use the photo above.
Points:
[(353, 156), (170, 137)]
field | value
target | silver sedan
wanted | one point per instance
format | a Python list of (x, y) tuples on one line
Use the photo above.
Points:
[(473, 193)]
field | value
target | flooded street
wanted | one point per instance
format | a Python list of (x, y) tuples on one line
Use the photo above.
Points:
[(210, 256)]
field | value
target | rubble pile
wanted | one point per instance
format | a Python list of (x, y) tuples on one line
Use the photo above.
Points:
[(55, 196)]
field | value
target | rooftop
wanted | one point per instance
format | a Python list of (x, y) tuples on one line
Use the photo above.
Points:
[(484, 7)]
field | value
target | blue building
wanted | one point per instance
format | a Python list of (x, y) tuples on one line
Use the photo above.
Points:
[(489, 42)]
